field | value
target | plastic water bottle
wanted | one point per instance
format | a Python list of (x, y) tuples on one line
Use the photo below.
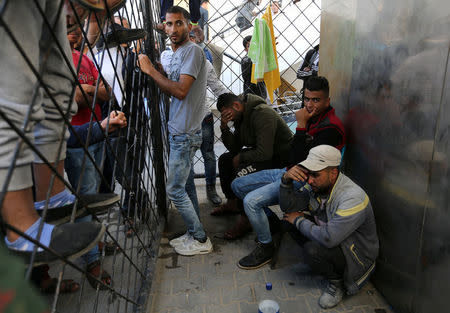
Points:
[(268, 306)]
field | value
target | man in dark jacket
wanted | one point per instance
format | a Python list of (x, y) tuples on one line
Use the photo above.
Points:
[(266, 139), (338, 233), (310, 65), (317, 124)]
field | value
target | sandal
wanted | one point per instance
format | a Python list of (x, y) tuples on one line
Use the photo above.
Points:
[(239, 230), (109, 247), (48, 286), (229, 208), (94, 270), (129, 229)]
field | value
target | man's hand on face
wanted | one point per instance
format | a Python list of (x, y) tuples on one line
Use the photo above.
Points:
[(290, 217), (145, 64), (225, 117), (303, 116), (296, 173)]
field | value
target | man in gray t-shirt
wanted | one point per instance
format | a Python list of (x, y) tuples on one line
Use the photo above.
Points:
[(187, 86), (186, 114)]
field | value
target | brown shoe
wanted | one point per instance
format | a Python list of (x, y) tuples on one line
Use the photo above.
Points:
[(239, 230), (229, 208)]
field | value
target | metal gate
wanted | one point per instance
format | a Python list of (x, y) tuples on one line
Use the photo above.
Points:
[(130, 161)]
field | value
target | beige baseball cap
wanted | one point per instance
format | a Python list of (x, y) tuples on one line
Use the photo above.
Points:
[(321, 157)]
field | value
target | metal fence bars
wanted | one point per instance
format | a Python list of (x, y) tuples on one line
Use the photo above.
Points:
[(69, 81), (296, 27)]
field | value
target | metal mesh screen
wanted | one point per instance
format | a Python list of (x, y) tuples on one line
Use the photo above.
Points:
[(297, 31), (41, 83)]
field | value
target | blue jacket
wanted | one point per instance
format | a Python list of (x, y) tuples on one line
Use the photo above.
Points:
[(82, 131)]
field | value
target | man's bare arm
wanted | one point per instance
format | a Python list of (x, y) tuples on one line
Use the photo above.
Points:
[(178, 89)]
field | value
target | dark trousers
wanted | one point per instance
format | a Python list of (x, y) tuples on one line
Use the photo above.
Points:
[(328, 262), (228, 173)]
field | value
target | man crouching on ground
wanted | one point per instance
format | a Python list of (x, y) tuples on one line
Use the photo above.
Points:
[(338, 233)]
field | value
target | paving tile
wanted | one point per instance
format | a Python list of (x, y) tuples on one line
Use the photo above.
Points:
[(215, 257), (201, 268), (278, 292), (188, 309), (209, 297), (223, 267), (246, 307), (217, 308), (230, 295), (305, 285), (168, 272), (297, 305), (245, 277), (218, 281), (162, 286), (165, 301), (193, 284)]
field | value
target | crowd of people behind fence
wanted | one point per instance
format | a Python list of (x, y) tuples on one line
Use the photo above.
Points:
[(101, 137)]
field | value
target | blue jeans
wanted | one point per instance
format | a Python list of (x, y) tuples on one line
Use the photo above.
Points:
[(73, 164), (182, 151), (89, 182), (259, 190), (207, 149), (192, 191)]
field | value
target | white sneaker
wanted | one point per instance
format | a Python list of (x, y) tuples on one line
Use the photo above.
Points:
[(180, 240), (193, 247)]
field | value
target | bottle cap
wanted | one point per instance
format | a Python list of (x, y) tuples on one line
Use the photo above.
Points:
[(269, 286)]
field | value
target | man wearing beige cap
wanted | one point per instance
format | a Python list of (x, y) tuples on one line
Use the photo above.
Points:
[(337, 229)]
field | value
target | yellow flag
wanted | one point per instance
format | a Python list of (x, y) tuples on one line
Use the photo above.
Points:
[(272, 78)]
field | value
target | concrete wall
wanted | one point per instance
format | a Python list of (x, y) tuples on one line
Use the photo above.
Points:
[(388, 66)]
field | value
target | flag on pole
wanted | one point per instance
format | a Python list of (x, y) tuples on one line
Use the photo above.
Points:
[(271, 78)]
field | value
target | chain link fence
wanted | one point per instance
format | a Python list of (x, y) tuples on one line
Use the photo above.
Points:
[(297, 31), (69, 81)]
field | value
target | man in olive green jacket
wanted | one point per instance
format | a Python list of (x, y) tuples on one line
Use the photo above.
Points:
[(260, 140)]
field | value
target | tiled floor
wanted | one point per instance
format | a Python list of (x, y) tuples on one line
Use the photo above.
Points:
[(213, 283)]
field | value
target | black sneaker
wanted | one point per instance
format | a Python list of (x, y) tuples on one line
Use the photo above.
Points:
[(68, 240), (87, 205), (212, 195), (260, 256)]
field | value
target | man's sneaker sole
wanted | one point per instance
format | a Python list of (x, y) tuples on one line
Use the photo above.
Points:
[(253, 267), (189, 253), (104, 204), (81, 252), (96, 208)]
